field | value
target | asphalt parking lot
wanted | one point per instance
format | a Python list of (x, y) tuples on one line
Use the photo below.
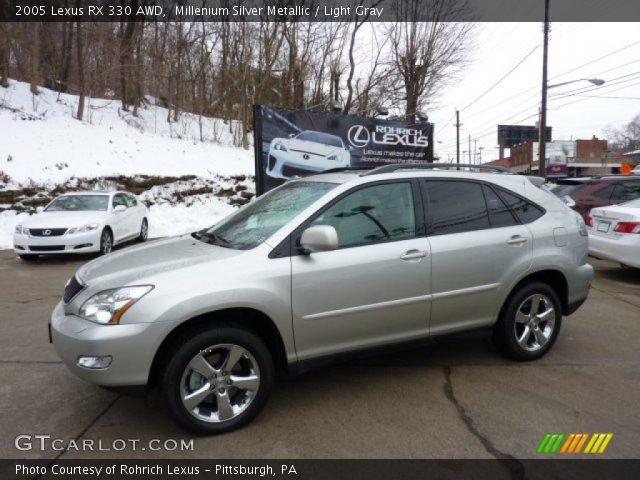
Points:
[(456, 399)]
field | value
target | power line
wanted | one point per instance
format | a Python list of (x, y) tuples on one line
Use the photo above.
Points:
[(596, 60), (502, 78)]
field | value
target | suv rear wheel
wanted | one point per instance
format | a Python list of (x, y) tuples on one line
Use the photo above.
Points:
[(530, 322), (218, 380)]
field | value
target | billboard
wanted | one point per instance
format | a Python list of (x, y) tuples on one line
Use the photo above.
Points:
[(510, 135), (295, 143)]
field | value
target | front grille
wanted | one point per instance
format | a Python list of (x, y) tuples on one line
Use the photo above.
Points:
[(48, 248), (71, 289), (293, 171), (47, 232), (308, 153)]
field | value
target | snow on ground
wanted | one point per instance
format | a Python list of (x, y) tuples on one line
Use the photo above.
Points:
[(43, 147), (164, 219), (42, 142)]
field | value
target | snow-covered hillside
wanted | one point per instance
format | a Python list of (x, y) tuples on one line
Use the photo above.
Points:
[(44, 150)]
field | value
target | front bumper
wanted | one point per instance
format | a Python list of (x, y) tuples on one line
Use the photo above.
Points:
[(624, 249), (131, 346), (75, 243), (294, 160)]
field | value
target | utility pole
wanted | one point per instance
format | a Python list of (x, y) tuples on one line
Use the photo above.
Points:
[(542, 137), (475, 150), (458, 136), (470, 160), (480, 155)]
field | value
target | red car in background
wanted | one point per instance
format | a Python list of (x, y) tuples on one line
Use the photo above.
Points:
[(599, 191)]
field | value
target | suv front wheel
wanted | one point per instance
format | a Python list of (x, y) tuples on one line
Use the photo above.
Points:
[(530, 322), (218, 380)]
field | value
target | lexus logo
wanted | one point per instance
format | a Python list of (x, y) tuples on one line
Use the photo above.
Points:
[(46, 232), (305, 156), (359, 136)]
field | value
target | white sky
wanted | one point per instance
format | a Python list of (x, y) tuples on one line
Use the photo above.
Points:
[(498, 47)]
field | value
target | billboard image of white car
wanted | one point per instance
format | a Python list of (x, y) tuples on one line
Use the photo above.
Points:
[(307, 152)]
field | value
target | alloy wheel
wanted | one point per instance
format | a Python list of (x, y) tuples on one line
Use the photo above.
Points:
[(144, 230), (535, 322), (219, 383), (106, 242)]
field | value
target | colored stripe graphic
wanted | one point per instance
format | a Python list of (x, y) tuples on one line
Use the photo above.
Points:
[(572, 443)]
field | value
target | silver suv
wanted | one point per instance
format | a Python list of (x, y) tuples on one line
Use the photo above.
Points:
[(321, 267)]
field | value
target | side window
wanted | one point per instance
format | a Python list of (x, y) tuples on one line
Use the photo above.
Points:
[(526, 211), (605, 193), (118, 199), (131, 200), (499, 214), (372, 214), (456, 207), (626, 191)]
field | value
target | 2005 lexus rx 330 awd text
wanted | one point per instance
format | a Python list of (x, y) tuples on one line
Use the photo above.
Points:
[(320, 267)]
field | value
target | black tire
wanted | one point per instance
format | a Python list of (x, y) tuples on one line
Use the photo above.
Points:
[(29, 258), (144, 231), (511, 326), (106, 241), (175, 381)]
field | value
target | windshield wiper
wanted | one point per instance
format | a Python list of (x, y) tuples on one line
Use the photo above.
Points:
[(211, 238)]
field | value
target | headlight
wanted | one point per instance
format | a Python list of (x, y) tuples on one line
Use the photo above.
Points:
[(582, 228), (334, 157), (19, 229), (84, 228), (108, 306), (280, 146)]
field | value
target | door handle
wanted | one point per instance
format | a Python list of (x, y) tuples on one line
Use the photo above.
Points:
[(516, 240), (413, 255)]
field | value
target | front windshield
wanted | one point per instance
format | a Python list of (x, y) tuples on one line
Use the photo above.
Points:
[(256, 222), (79, 203), (320, 137)]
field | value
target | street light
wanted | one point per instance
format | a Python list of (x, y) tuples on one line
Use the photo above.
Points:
[(596, 81)]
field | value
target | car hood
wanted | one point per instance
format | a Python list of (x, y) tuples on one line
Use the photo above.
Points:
[(63, 219), (312, 147), (132, 264)]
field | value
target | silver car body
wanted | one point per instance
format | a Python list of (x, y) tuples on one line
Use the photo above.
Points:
[(332, 302)]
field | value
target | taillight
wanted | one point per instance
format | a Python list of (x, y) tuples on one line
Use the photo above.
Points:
[(627, 227), (589, 221)]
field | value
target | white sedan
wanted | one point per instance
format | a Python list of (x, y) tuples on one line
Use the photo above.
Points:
[(82, 222), (614, 233), (305, 153)]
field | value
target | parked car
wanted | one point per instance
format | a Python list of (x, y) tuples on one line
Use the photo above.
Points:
[(82, 222), (614, 233), (305, 153), (599, 191), (636, 170), (343, 262)]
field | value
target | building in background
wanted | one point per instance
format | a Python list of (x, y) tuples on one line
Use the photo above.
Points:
[(573, 158)]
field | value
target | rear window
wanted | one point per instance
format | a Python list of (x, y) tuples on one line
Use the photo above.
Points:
[(564, 189), (526, 211)]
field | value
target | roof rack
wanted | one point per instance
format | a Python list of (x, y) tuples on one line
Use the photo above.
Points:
[(432, 166)]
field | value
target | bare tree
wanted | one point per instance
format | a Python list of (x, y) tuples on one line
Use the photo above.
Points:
[(427, 54), (4, 56), (626, 138), (80, 56), (35, 59)]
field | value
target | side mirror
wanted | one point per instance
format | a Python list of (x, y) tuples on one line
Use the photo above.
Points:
[(321, 238), (119, 208), (291, 135), (570, 202)]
